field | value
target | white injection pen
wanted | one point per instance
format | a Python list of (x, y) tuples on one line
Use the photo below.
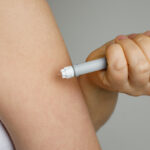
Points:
[(83, 68)]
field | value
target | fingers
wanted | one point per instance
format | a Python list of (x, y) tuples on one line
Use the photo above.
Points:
[(115, 78), (99, 52), (138, 66), (128, 69), (117, 70), (143, 42)]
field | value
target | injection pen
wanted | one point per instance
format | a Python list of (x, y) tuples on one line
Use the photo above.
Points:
[(83, 68)]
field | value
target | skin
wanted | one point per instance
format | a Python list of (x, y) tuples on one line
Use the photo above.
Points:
[(37, 107), (30, 106), (128, 58), (131, 74), (101, 103)]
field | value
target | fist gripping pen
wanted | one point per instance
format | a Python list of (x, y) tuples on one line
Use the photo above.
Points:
[(83, 68)]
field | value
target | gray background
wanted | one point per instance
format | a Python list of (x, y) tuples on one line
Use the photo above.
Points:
[(86, 25)]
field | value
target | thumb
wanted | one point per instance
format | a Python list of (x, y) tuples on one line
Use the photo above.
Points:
[(99, 52), (96, 54)]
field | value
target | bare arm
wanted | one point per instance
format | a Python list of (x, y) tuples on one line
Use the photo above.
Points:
[(39, 110)]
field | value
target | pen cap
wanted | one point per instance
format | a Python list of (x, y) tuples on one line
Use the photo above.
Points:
[(90, 66)]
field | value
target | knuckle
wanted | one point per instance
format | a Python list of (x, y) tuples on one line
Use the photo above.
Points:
[(121, 66), (142, 67), (140, 37), (113, 47)]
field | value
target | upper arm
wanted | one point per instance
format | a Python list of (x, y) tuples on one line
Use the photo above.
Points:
[(39, 109)]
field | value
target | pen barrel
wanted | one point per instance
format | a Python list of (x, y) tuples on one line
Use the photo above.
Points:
[(90, 66)]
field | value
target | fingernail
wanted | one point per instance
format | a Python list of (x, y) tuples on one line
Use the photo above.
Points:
[(147, 33), (131, 36), (121, 37)]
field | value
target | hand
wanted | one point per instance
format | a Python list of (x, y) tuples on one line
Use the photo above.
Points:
[(127, 72), (128, 68)]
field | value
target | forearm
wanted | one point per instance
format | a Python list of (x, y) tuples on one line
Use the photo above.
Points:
[(39, 110), (101, 105)]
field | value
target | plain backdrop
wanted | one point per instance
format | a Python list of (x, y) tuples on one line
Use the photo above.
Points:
[(88, 24), (85, 26)]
